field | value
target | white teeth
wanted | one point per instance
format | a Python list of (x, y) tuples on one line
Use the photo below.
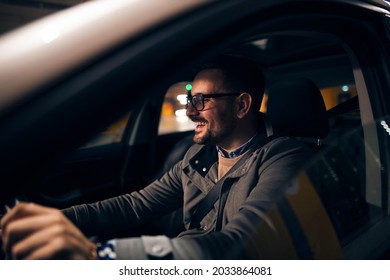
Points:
[(200, 123)]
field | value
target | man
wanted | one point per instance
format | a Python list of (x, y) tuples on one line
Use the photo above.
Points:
[(232, 155)]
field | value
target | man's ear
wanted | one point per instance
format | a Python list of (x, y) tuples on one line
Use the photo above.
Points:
[(244, 103)]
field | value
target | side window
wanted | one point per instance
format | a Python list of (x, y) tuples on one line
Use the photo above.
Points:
[(346, 171), (336, 95), (173, 114), (342, 118), (112, 134), (332, 96), (339, 176)]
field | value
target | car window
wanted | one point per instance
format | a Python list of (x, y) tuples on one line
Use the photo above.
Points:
[(112, 134), (173, 113), (336, 95), (339, 176), (333, 96), (172, 118)]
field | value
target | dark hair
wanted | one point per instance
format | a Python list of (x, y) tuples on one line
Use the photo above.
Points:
[(240, 75)]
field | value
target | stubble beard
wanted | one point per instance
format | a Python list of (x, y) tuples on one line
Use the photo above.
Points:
[(203, 139), (214, 138)]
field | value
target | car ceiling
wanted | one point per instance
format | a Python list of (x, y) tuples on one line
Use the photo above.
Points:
[(272, 51), (15, 13)]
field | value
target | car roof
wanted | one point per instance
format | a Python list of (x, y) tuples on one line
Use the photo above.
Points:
[(25, 49), (44, 41)]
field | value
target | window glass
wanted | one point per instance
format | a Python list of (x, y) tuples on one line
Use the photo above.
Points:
[(113, 133), (334, 96), (339, 174), (173, 113), (173, 118)]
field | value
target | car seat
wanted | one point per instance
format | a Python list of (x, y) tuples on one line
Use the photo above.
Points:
[(296, 107)]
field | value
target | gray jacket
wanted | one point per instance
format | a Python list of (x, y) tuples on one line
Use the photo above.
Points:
[(246, 195)]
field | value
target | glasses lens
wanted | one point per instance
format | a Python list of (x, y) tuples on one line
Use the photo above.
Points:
[(197, 102)]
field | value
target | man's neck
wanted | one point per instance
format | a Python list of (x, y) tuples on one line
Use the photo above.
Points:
[(232, 153)]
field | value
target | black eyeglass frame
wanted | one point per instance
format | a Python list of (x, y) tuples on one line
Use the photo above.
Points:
[(202, 97)]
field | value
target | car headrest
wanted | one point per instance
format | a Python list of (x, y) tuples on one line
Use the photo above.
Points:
[(296, 107)]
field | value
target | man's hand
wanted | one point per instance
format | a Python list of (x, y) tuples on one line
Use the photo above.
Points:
[(31, 231)]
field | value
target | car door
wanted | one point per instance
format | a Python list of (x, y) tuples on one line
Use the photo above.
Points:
[(119, 159)]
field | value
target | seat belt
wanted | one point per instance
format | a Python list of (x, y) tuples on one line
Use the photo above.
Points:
[(207, 203)]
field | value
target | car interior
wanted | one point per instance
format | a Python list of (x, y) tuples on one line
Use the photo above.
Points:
[(314, 92), (112, 139), (112, 154)]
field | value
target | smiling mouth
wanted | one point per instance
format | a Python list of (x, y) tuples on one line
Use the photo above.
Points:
[(199, 125)]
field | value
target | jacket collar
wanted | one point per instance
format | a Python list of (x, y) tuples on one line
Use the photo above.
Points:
[(204, 159), (207, 156)]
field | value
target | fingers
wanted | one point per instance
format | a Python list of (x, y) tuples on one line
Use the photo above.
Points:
[(24, 219), (18, 232), (25, 248), (23, 210), (52, 243), (31, 231)]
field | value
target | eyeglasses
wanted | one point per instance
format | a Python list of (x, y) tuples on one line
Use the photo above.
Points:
[(197, 101)]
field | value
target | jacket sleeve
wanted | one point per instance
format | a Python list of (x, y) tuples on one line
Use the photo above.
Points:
[(241, 237), (123, 213)]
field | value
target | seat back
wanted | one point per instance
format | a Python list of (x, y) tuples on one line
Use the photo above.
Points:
[(296, 107)]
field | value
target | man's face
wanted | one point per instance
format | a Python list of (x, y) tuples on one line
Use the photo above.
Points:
[(216, 123)]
